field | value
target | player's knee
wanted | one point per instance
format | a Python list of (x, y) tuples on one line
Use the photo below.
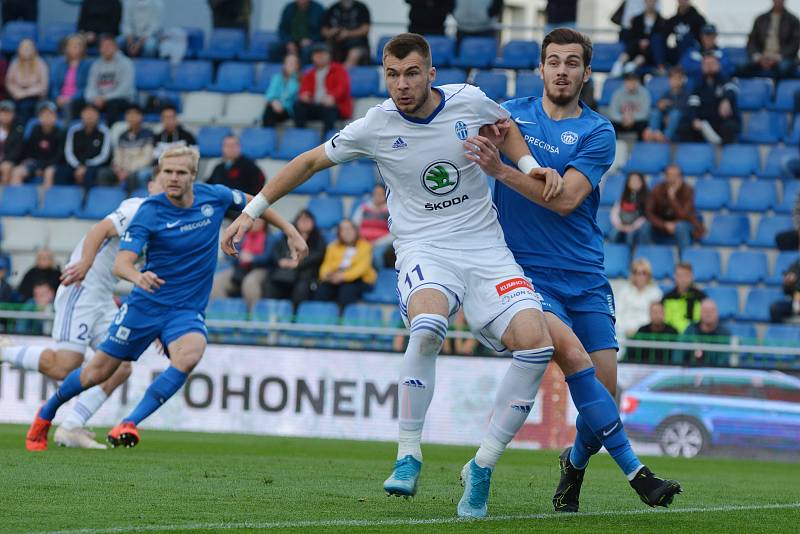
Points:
[(572, 359), (428, 331), (124, 371), (527, 332)]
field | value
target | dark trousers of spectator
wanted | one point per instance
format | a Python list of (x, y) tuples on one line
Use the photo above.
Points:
[(727, 129), (25, 108), (297, 291), (780, 311), (649, 235), (667, 55), (113, 109), (272, 117), (65, 175), (788, 240), (784, 69), (277, 51), (304, 112), (637, 127), (343, 294)]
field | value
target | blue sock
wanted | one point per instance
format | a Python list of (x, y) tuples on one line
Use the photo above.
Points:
[(586, 444), (600, 413), (159, 392), (70, 387)]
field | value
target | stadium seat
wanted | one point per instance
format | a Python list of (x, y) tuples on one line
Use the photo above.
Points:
[(648, 158), (243, 109), (609, 86), (493, 84), (791, 191), (746, 332), (617, 260), (151, 74), (15, 31), (745, 267), (258, 143), (727, 299), (318, 183), (528, 84), (518, 54), (764, 128), (258, 47), (378, 52), (737, 55), (754, 93), (657, 86), (363, 81), (756, 307), (605, 54), (661, 258), (776, 155), (209, 140), (712, 194), (195, 39), (354, 179), (611, 189), (782, 262), (782, 335), (784, 95), (385, 289), (52, 36), (728, 231), (694, 159), (233, 77), (476, 52), (442, 50), (18, 200), (100, 201), (737, 160), (191, 75), (768, 227), (316, 313), (604, 220), (230, 309), (223, 43), (327, 211), (362, 315), (449, 76), (755, 195), (264, 76), (295, 141), (705, 263), (272, 311), (60, 201)]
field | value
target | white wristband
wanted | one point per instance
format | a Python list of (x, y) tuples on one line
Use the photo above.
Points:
[(256, 206), (527, 163)]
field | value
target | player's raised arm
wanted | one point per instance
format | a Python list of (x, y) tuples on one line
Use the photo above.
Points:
[(94, 239), (297, 245)]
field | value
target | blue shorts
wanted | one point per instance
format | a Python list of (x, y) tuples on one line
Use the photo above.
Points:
[(139, 322), (584, 301)]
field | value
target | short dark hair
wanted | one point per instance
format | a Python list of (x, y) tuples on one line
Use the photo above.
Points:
[(168, 107), (89, 105), (107, 37), (403, 44), (563, 36), (684, 265)]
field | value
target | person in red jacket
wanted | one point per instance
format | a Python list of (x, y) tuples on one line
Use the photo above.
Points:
[(324, 91)]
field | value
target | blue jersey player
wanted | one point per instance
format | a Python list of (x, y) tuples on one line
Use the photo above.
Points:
[(559, 245), (180, 229)]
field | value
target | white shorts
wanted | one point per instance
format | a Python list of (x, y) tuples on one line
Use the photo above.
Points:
[(82, 318), (488, 283)]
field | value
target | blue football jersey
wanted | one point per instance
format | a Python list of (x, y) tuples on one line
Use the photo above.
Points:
[(541, 237), (181, 244)]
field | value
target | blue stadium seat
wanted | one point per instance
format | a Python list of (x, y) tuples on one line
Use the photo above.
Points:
[(231, 309), (258, 47), (528, 84), (694, 159), (151, 73), (264, 76), (192, 75), (605, 54), (728, 231), (657, 86), (318, 183), (362, 315), (609, 86), (15, 31), (791, 191), (705, 263), (755, 195), (140, 192), (476, 52), (363, 81), (61, 201), (782, 262), (100, 201), (209, 140), (448, 76), (378, 53), (51, 37), (764, 128), (19, 200), (611, 189), (772, 167), (295, 141), (617, 260), (727, 299), (745, 267), (316, 313), (754, 93), (233, 77), (661, 258), (648, 158), (195, 39), (604, 220), (354, 179), (493, 84), (517, 54), (768, 227), (746, 332), (442, 50), (223, 43), (272, 311), (784, 95), (326, 210), (782, 335), (258, 143), (737, 55), (756, 307), (737, 160), (712, 194), (385, 289)]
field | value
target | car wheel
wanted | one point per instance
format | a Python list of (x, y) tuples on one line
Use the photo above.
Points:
[(682, 437)]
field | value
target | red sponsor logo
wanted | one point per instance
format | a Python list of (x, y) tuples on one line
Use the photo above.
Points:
[(511, 285)]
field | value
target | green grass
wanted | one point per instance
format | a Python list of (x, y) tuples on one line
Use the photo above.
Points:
[(213, 480)]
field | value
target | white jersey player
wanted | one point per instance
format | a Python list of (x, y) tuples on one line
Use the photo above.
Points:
[(450, 250), (84, 308)]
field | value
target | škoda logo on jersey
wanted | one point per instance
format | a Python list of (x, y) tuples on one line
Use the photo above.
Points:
[(510, 285), (441, 177)]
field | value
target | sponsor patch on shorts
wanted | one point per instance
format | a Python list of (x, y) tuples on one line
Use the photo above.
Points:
[(511, 285)]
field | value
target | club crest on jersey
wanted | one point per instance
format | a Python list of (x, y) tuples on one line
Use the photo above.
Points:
[(569, 138), (207, 210), (441, 177), (461, 130)]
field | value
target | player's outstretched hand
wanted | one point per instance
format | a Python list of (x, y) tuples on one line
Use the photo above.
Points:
[(75, 272), (485, 154), (149, 281), (553, 182), (234, 234), (297, 246), (496, 133)]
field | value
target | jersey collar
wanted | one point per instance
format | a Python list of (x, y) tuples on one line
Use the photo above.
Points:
[(430, 117)]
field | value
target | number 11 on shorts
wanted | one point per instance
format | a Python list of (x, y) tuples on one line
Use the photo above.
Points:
[(420, 278)]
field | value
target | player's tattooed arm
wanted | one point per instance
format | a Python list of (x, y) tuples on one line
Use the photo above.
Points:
[(125, 268), (94, 239)]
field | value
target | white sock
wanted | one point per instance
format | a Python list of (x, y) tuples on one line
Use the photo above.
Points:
[(633, 473), (88, 403), (24, 356), (513, 403), (418, 379)]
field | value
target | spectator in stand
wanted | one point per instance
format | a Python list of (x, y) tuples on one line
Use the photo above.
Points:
[(639, 50), (111, 81), (42, 300), (788, 307), (236, 170), (655, 330), (477, 18), (670, 212), (345, 26), (633, 298), (426, 17), (141, 27), (711, 114), (131, 165), (87, 150), (682, 303), (773, 43), (372, 218), (292, 279), (630, 106), (43, 150), (628, 213), (560, 14), (3, 70), (98, 17), (299, 29), (44, 270), (27, 80), (231, 13), (692, 59), (707, 330), (587, 94), (7, 293), (346, 272), (666, 117), (790, 239), (172, 132), (25, 10), (685, 25), (329, 103), (12, 134), (282, 92), (68, 78)]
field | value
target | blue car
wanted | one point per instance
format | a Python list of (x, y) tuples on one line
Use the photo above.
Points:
[(690, 411)]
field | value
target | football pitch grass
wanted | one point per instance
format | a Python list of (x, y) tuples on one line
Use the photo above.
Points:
[(192, 482)]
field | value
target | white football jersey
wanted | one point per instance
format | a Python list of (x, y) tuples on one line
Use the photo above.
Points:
[(434, 193), (99, 278)]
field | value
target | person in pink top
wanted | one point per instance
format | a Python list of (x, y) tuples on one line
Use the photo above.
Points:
[(27, 79), (69, 74), (372, 218)]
